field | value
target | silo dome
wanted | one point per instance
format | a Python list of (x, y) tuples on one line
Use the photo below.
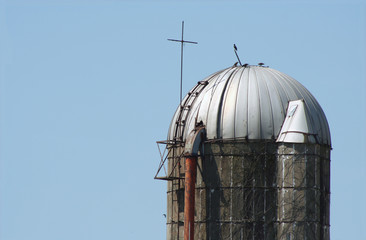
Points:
[(252, 103)]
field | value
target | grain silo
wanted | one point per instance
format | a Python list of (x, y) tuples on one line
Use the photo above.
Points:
[(248, 157)]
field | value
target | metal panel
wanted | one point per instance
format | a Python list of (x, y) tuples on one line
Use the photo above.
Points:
[(277, 106), (254, 117), (266, 121), (206, 101), (227, 127), (214, 110), (241, 116)]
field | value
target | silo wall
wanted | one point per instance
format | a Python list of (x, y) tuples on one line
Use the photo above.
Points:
[(254, 190)]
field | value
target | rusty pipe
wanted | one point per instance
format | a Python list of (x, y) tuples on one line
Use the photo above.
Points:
[(191, 148), (189, 197)]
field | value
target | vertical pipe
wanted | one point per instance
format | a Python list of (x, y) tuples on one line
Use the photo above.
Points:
[(189, 197)]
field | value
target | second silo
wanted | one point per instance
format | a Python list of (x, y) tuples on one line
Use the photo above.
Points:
[(249, 158)]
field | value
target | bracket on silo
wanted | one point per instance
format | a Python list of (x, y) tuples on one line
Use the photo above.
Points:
[(194, 140)]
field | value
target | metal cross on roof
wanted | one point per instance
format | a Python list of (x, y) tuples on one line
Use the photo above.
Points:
[(181, 58)]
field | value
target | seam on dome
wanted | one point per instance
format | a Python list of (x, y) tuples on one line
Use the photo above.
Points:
[(212, 92), (224, 72), (208, 79), (285, 85), (269, 99), (236, 99), (259, 104), (275, 78), (220, 110), (225, 95), (283, 108), (279, 82), (247, 117)]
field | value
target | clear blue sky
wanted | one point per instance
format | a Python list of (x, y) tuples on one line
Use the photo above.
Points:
[(87, 87)]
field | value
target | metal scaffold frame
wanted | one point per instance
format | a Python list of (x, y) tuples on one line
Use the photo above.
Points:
[(169, 150)]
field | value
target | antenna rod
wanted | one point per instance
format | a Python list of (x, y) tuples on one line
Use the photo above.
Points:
[(181, 60), (236, 49), (181, 65)]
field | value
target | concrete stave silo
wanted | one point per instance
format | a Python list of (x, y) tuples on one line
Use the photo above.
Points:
[(263, 159)]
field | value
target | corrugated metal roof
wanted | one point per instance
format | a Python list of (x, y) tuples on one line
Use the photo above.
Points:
[(245, 102)]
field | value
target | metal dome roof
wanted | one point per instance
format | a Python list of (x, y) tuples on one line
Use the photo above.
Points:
[(250, 102)]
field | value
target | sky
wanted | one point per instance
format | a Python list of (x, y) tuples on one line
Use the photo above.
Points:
[(88, 87)]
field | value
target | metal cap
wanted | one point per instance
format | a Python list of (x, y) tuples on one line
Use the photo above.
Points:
[(246, 102)]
